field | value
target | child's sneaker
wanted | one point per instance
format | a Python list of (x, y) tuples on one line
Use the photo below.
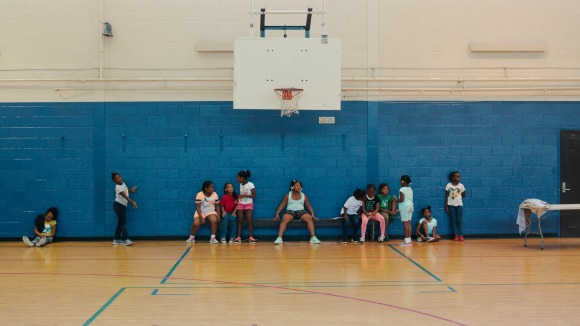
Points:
[(353, 240), (224, 240), (456, 238), (461, 238), (27, 241), (252, 240), (278, 241), (344, 241), (419, 239), (315, 240), (231, 240), (190, 240), (128, 242), (381, 238), (237, 240), (118, 243), (406, 244), (361, 240), (41, 242), (213, 240)]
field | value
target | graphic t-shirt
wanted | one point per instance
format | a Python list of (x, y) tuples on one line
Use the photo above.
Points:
[(455, 198), (352, 205), (207, 204), (48, 227), (246, 189)]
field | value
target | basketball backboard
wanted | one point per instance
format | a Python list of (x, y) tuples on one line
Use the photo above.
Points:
[(264, 64)]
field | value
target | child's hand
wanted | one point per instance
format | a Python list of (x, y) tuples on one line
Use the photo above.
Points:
[(314, 218), (277, 217), (134, 189), (134, 204), (202, 220), (345, 217)]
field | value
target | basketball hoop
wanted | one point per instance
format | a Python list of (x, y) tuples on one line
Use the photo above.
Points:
[(289, 98)]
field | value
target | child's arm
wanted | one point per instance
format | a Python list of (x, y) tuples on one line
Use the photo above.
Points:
[(345, 215), (401, 197), (307, 205), (281, 207), (223, 214), (446, 196), (218, 210), (393, 204), (37, 232), (198, 210), (133, 190), (434, 232), (363, 207), (418, 230), (122, 193), (377, 205), (52, 231), (463, 193)]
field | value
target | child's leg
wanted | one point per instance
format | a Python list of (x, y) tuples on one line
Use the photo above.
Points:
[(460, 220), (240, 222), (195, 225), (249, 214), (212, 219), (407, 227), (379, 218), (345, 226), (234, 225), (363, 225), (121, 229), (425, 228), (223, 226), (453, 216), (354, 222)]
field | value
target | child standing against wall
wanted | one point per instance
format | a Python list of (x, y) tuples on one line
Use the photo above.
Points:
[(370, 211), (406, 208), (245, 205), (387, 206), (350, 212), (454, 194), (427, 227), (120, 208), (207, 208), (44, 228), (229, 218)]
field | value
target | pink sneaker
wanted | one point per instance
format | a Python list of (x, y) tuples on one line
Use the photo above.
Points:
[(461, 238), (456, 238), (237, 240), (252, 240)]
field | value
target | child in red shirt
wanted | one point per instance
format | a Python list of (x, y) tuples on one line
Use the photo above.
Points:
[(229, 203)]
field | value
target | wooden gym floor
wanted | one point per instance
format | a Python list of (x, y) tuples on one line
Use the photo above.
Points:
[(478, 282)]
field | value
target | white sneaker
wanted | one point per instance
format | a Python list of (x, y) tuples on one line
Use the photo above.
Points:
[(278, 241), (213, 240), (41, 242), (190, 240), (231, 240), (27, 241), (224, 240), (315, 240), (128, 242), (362, 240), (118, 243), (406, 244), (381, 238), (419, 239), (430, 239)]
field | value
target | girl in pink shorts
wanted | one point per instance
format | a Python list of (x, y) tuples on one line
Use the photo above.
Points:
[(245, 204)]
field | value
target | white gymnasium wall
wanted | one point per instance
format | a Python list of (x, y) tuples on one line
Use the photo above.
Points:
[(52, 50)]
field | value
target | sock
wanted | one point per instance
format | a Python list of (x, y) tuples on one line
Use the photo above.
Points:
[(192, 236), (213, 236), (407, 240)]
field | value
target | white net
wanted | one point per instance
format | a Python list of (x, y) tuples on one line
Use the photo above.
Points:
[(289, 98)]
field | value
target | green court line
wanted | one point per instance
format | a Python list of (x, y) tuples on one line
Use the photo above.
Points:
[(105, 306), (416, 264), (155, 292), (175, 266)]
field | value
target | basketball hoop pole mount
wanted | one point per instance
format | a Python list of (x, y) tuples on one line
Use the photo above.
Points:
[(263, 12)]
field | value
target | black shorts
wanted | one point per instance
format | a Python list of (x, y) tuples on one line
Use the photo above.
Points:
[(296, 214)]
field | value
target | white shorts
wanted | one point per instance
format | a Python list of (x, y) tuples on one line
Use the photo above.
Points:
[(407, 213)]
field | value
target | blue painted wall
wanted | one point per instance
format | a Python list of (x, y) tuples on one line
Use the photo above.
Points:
[(62, 154)]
